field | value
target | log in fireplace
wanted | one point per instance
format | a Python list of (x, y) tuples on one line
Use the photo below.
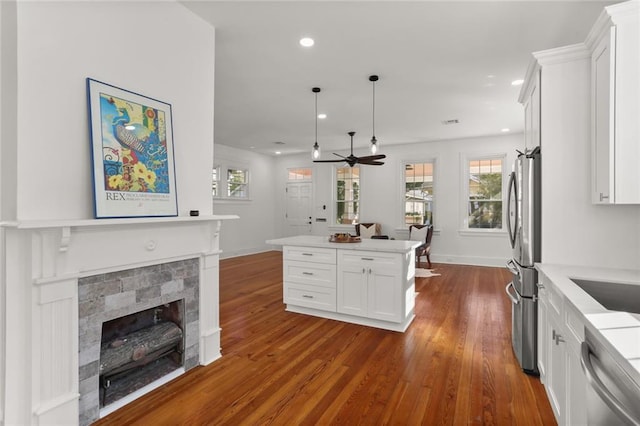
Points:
[(139, 348)]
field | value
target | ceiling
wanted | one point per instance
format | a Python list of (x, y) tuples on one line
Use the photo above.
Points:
[(437, 61)]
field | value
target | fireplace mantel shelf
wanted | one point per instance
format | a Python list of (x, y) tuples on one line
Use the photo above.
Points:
[(81, 223)]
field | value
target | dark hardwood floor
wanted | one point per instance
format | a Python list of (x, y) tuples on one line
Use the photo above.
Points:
[(453, 366)]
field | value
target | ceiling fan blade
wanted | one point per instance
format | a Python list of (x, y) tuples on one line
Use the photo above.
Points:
[(341, 156), (373, 157), (370, 162), (328, 161)]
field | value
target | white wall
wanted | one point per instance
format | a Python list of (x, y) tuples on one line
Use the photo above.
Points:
[(574, 231), (159, 49), (382, 195), (8, 101), (257, 221)]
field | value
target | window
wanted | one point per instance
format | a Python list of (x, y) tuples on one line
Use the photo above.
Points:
[(299, 174), (237, 183), (215, 182), (347, 194), (418, 193), (485, 193)]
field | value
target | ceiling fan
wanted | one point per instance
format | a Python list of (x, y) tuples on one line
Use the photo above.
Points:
[(352, 160)]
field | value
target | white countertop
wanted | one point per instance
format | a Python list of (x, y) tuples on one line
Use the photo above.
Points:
[(389, 246), (619, 331)]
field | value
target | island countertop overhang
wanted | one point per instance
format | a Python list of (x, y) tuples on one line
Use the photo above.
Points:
[(388, 246)]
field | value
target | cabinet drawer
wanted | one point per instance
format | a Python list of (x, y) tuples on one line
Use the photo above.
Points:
[(310, 296), (320, 274), (359, 257), (305, 254)]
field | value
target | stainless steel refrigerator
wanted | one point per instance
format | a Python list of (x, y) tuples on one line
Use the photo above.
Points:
[(523, 224)]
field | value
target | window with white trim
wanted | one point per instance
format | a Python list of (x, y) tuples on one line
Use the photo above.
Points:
[(237, 183), (347, 193), (418, 186), (484, 192), (229, 182), (215, 181)]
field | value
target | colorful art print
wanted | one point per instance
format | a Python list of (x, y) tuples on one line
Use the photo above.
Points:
[(132, 148)]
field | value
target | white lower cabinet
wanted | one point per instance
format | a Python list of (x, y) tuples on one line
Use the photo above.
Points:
[(310, 277), (543, 340), (370, 285), (555, 383), (560, 333)]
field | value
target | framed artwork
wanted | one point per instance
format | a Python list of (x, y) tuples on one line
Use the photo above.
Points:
[(132, 153)]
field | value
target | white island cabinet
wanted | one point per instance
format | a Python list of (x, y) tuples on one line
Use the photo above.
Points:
[(371, 282)]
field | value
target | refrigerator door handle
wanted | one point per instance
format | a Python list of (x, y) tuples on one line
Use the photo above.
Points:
[(514, 299), (514, 193), (513, 268)]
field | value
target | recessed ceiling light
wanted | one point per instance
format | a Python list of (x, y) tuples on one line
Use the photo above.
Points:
[(517, 82), (322, 116), (278, 153), (306, 42), (505, 130)]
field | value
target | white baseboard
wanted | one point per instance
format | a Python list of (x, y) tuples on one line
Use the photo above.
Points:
[(468, 260)]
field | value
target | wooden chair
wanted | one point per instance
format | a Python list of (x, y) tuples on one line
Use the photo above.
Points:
[(422, 233), (368, 230)]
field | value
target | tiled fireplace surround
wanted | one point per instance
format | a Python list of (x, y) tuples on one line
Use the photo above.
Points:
[(104, 297), (45, 261)]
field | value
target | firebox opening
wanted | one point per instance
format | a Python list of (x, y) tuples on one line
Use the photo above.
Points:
[(139, 349)]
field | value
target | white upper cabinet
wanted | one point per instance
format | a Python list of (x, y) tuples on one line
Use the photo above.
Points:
[(530, 99), (614, 42)]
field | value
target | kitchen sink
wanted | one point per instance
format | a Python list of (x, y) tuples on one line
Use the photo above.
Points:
[(613, 296)]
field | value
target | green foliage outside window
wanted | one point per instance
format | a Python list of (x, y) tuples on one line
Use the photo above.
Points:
[(485, 201), (347, 194)]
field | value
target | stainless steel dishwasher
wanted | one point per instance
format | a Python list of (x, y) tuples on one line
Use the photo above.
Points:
[(613, 398)]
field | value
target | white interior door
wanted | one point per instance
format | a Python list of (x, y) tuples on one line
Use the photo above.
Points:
[(298, 214)]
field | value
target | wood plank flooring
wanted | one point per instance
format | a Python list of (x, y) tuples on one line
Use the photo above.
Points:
[(453, 366)]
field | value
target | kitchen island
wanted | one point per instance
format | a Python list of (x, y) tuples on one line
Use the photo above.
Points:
[(370, 282)]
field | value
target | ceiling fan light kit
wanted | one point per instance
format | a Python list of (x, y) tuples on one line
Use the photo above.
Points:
[(351, 160)]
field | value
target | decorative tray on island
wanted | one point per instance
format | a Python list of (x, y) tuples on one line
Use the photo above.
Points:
[(343, 238)]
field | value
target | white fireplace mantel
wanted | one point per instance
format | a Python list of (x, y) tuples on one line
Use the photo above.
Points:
[(43, 261)]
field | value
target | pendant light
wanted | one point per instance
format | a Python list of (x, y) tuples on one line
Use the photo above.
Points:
[(315, 152), (375, 146)]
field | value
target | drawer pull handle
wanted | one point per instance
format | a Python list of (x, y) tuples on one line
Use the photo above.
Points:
[(306, 296), (307, 254), (307, 273), (367, 258)]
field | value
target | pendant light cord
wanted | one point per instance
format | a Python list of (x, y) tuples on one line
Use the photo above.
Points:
[(374, 109), (316, 93)]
